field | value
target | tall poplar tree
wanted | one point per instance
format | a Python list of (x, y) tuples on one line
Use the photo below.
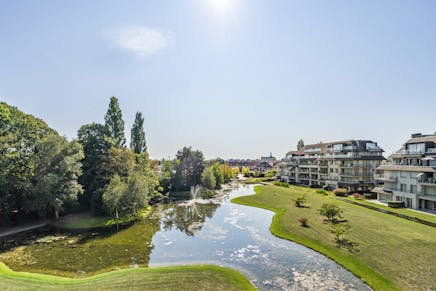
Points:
[(114, 123), (137, 135)]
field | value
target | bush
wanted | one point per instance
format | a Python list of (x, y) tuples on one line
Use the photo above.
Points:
[(340, 192), (281, 184), (303, 221), (357, 195), (319, 191), (299, 201)]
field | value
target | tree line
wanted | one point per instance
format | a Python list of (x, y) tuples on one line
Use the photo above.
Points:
[(42, 174)]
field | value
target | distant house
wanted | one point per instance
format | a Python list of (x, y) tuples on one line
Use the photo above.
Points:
[(263, 166)]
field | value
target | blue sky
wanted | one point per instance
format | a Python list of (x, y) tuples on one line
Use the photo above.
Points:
[(234, 78)]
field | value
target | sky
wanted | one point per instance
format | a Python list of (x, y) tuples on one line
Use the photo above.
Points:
[(233, 78)]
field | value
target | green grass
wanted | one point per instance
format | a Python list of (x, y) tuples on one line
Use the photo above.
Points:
[(253, 180), (405, 211), (88, 221), (388, 253), (168, 278)]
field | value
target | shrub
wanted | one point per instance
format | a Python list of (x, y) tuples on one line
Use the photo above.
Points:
[(281, 184), (331, 211), (303, 221), (396, 204), (338, 230), (299, 201), (319, 191), (340, 192), (357, 195)]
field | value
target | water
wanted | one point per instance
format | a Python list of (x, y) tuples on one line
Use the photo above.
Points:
[(238, 236), (213, 231)]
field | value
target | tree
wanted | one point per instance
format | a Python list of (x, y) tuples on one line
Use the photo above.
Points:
[(114, 123), (331, 211), (189, 169), (121, 161), (57, 167), (245, 171), (219, 177), (227, 173), (338, 230), (235, 172), (113, 195), (300, 144), (167, 173), (137, 135), (143, 168), (19, 135), (138, 191), (208, 179), (96, 173), (299, 201)]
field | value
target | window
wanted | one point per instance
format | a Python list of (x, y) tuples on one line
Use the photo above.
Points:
[(413, 189), (403, 187), (337, 147)]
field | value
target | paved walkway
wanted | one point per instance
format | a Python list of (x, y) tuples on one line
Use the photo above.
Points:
[(25, 227)]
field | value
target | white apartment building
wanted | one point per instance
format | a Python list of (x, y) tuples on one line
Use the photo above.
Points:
[(410, 174), (350, 164)]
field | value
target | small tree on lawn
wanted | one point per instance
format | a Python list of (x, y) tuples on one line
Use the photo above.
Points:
[(299, 201), (331, 211), (338, 230)]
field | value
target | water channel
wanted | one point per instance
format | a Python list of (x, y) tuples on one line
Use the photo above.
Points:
[(213, 231)]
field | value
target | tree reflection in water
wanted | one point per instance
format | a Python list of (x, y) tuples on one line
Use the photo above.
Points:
[(188, 218)]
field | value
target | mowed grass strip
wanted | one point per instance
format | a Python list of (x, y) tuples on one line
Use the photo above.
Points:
[(202, 277), (388, 253), (404, 211)]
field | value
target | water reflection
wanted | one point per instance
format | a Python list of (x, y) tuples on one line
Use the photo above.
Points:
[(187, 218)]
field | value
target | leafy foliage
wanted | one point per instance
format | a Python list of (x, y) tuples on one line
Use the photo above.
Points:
[(137, 135), (299, 201), (19, 135), (208, 179), (189, 168), (114, 123), (57, 167), (331, 211)]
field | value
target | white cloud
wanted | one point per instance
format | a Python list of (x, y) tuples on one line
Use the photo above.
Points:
[(142, 41)]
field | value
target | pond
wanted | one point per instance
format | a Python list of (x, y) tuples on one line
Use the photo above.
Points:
[(213, 231)]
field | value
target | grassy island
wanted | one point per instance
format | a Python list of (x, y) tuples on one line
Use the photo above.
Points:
[(386, 252)]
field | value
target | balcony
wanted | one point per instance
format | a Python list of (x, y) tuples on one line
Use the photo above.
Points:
[(389, 179), (427, 182), (431, 151)]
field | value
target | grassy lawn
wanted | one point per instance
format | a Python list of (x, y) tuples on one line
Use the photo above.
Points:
[(405, 211), (87, 220), (167, 278), (387, 252)]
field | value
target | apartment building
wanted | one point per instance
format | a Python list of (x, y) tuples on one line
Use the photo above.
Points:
[(409, 175), (347, 164)]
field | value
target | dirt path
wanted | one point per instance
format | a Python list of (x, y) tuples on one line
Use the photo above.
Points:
[(25, 227)]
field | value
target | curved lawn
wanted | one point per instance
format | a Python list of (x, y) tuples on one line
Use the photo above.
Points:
[(167, 278), (386, 252)]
